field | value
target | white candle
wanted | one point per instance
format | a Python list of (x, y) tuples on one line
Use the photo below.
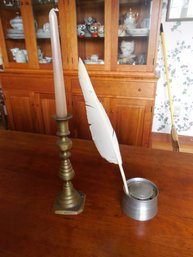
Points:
[(60, 96)]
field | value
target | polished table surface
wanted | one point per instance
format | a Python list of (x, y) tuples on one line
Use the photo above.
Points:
[(29, 182)]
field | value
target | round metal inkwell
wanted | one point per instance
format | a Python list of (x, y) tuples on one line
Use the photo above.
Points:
[(141, 203), (141, 190)]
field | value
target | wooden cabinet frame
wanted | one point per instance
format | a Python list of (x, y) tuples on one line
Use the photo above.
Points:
[(152, 45)]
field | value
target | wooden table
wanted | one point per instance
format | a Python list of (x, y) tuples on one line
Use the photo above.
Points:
[(29, 183)]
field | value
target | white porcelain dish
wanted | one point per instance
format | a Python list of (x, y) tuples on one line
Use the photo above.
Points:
[(139, 32), (15, 36), (45, 60), (100, 61), (43, 35), (15, 31)]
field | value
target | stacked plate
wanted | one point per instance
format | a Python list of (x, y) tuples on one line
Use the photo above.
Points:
[(99, 61), (139, 32), (15, 34)]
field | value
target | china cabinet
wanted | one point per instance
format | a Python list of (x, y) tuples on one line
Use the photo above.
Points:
[(25, 30), (117, 41)]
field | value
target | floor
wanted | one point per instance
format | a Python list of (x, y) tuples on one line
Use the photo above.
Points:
[(167, 146), (162, 142)]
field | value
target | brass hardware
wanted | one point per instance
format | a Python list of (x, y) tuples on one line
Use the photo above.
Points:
[(69, 201)]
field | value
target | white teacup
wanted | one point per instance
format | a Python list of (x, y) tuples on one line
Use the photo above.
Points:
[(127, 47), (14, 51), (40, 54), (122, 31), (145, 23), (46, 27), (101, 31), (20, 57), (94, 58), (26, 54)]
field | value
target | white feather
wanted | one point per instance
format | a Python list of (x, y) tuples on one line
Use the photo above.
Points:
[(102, 132)]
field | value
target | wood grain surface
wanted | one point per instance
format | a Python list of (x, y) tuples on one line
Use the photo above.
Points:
[(29, 182)]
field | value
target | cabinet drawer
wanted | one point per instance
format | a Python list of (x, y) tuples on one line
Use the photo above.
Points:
[(117, 88), (44, 84)]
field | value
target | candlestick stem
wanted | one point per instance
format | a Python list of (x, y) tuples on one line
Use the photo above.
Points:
[(69, 201)]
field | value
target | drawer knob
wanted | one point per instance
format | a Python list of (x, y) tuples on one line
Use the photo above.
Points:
[(139, 90)]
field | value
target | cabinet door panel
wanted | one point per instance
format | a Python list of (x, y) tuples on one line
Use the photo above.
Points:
[(47, 109), (135, 35), (129, 120), (80, 122), (17, 35), (94, 38), (21, 110)]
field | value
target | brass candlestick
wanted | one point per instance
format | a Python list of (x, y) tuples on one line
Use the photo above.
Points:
[(69, 201)]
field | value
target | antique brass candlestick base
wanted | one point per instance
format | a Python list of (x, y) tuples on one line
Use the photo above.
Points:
[(69, 201)]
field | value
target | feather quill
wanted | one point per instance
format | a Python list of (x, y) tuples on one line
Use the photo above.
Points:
[(102, 132)]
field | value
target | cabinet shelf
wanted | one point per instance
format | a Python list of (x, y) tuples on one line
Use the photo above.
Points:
[(42, 7), (88, 3), (43, 37), (129, 36), (11, 7), (15, 37), (91, 38), (22, 37)]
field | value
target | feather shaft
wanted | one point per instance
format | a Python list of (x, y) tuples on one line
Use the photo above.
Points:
[(103, 135), (124, 179)]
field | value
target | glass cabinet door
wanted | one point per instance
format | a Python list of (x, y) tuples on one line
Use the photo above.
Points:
[(41, 10), (13, 31), (91, 31), (133, 32)]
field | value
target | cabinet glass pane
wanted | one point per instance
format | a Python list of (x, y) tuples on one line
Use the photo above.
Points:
[(12, 23), (90, 30), (41, 10), (133, 31)]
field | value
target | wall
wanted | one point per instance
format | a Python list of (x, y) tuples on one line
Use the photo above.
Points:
[(179, 46)]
